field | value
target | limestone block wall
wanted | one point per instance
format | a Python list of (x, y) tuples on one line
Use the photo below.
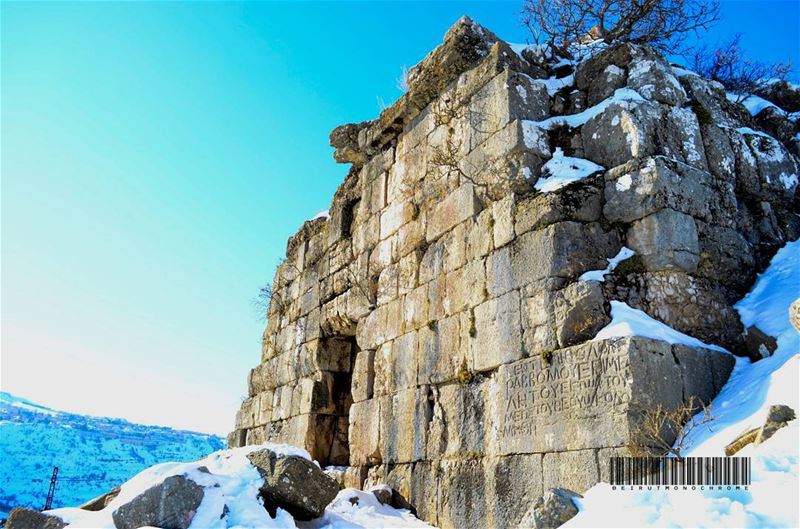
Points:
[(434, 332)]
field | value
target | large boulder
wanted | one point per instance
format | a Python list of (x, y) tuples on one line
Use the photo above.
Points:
[(783, 94), (637, 67), (294, 484), (776, 123), (171, 504), (553, 509), (22, 518)]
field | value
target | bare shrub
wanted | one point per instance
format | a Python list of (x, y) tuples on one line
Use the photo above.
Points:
[(658, 426), (740, 74), (660, 23), (262, 301), (268, 295), (450, 156)]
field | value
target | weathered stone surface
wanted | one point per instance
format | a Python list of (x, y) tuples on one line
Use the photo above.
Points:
[(580, 203), (23, 518), (585, 396), (403, 424), (758, 343), (605, 72), (777, 417), (365, 432), (171, 504), (363, 382), (441, 354), (498, 332), (389, 496), (566, 249), (783, 94), (703, 372), (652, 77), (620, 133), (580, 312), (776, 124), (513, 484), (345, 140), (464, 502), (654, 184), (666, 239), (313, 432), (293, 484), (576, 470), (459, 419), (455, 208), (355, 476), (99, 503), (552, 510), (690, 304)]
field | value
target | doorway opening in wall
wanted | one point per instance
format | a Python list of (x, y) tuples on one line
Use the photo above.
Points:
[(342, 351)]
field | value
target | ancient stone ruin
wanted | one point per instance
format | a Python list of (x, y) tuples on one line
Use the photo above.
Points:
[(438, 332)]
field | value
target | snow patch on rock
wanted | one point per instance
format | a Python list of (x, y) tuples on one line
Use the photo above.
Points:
[(560, 171), (599, 275)]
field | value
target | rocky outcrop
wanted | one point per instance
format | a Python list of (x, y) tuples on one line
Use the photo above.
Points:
[(552, 510), (437, 332), (294, 484), (778, 417), (171, 504), (22, 518), (783, 94)]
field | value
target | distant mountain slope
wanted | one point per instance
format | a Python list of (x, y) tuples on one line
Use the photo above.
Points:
[(94, 454)]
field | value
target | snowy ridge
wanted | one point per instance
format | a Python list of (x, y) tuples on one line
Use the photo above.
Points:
[(94, 454)]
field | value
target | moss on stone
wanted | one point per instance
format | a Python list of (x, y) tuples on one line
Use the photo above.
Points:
[(473, 332), (547, 357), (703, 115), (631, 265), (464, 376)]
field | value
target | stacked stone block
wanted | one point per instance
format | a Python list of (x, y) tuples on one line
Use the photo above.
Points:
[(434, 332)]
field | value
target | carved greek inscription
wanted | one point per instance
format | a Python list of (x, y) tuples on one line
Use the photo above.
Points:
[(576, 383)]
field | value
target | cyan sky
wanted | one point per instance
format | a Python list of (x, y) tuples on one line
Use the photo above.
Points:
[(155, 158)]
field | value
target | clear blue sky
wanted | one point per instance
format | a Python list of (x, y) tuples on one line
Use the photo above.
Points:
[(155, 158)]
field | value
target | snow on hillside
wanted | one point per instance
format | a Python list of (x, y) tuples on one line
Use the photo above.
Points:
[(771, 500), (232, 486), (94, 454)]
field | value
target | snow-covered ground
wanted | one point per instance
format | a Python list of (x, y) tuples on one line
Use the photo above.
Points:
[(771, 500), (231, 498), (94, 454)]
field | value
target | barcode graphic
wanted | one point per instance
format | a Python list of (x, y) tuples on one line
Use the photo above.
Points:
[(684, 471)]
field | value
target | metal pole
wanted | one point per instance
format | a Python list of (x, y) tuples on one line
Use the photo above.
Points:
[(48, 504)]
